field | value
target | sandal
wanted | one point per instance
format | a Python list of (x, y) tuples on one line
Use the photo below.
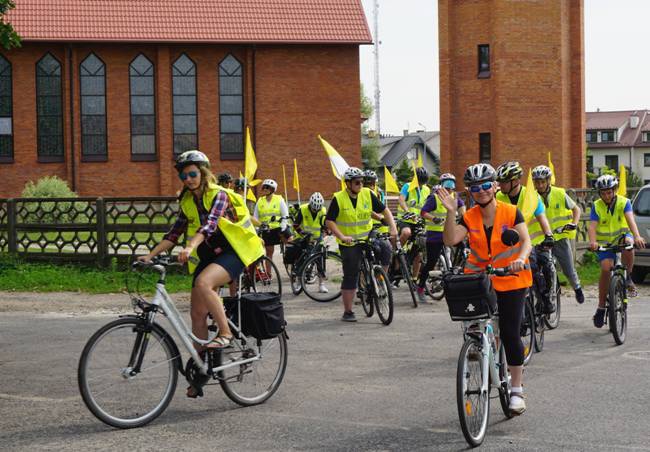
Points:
[(220, 342), (193, 392)]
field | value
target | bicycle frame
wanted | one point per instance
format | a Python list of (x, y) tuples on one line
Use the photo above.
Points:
[(490, 372), (163, 302)]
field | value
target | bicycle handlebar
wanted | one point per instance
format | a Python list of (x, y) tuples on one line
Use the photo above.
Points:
[(616, 248)]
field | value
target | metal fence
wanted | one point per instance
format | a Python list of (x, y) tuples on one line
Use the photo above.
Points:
[(83, 229), (98, 229)]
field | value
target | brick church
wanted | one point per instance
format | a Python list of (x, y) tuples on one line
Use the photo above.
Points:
[(106, 94)]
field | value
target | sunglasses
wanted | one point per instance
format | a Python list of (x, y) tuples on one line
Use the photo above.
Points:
[(266, 187), (449, 184), (189, 174), (485, 186)]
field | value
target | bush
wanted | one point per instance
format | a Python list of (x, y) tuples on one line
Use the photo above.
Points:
[(51, 212)]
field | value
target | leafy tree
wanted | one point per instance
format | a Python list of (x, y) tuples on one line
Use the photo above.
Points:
[(369, 150), (8, 36), (404, 172)]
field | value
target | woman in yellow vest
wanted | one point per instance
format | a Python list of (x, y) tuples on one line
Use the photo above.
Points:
[(483, 224), (222, 237), (561, 211), (434, 213), (612, 217), (272, 211), (512, 192), (349, 217), (310, 219), (411, 202)]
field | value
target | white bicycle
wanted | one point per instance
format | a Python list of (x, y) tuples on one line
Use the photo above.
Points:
[(129, 368)]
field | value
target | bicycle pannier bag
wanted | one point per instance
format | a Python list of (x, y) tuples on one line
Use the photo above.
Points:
[(291, 253), (469, 296), (262, 314)]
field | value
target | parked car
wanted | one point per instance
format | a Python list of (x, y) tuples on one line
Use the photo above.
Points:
[(641, 208)]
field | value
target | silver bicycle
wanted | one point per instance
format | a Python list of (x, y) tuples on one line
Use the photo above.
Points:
[(129, 368)]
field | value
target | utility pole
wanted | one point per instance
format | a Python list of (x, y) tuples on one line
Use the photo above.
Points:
[(377, 92)]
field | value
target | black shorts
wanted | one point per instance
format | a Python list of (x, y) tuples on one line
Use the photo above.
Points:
[(227, 259), (351, 257), (271, 237)]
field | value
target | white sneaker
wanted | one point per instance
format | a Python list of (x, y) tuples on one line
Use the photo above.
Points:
[(517, 403), (323, 289)]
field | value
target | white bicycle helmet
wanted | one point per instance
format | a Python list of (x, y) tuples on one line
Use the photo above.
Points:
[(479, 173), (271, 183), (447, 176), (316, 201), (542, 172), (194, 157), (605, 182), (352, 173)]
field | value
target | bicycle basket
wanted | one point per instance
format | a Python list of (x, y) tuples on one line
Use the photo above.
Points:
[(469, 296), (262, 314)]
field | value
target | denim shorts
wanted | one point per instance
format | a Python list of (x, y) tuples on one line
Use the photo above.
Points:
[(228, 260), (602, 255)]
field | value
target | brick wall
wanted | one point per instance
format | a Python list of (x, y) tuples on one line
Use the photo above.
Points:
[(533, 102), (299, 92)]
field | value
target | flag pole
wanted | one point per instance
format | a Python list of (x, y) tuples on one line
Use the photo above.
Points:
[(284, 179)]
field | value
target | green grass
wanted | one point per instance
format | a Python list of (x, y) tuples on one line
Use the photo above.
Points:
[(589, 271), (17, 275)]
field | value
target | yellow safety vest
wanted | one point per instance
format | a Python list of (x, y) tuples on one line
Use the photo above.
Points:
[(557, 213), (383, 228), (611, 225), (534, 228), (267, 210), (241, 235), (311, 224), (354, 221), (439, 212), (415, 203)]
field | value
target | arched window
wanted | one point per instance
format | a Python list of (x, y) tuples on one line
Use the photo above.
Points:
[(49, 109), (143, 109), (6, 112), (184, 104), (92, 73), (231, 108)]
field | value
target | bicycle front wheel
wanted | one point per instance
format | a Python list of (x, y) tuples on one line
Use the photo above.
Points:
[(617, 309), (254, 382), (382, 295), (553, 320), (264, 276), (111, 386), (406, 274), (472, 401), (322, 275), (527, 329)]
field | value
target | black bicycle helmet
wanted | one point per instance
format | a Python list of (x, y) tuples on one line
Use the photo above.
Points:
[(422, 174), (224, 178)]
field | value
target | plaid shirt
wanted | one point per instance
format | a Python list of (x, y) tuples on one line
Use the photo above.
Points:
[(221, 207)]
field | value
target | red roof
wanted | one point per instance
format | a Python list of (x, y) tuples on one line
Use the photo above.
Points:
[(232, 21), (615, 120)]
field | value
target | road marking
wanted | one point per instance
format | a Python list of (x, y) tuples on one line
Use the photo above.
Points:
[(641, 354)]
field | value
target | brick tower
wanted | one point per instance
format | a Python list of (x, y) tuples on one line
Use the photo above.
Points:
[(512, 84)]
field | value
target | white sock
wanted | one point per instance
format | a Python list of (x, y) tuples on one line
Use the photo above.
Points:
[(516, 390)]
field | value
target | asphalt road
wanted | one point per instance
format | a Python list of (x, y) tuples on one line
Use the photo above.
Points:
[(356, 386)]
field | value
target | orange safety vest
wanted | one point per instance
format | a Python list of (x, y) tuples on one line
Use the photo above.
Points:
[(498, 255)]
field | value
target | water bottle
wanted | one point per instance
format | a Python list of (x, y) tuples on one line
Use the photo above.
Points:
[(490, 332)]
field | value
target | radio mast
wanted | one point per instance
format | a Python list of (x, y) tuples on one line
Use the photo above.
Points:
[(377, 92)]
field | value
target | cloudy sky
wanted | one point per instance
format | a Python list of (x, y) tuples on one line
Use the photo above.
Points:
[(616, 66)]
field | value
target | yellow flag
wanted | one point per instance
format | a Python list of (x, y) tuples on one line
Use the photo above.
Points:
[(413, 185), (622, 182), (530, 198), (296, 182), (250, 162), (420, 162), (255, 182), (550, 165), (339, 165), (249, 193), (391, 185)]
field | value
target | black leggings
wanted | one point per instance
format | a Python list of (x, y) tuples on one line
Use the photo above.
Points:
[(511, 313), (433, 254)]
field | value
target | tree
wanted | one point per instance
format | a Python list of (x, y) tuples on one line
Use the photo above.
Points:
[(404, 172), (369, 150), (8, 36)]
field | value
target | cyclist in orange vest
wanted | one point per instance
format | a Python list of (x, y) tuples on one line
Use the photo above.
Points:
[(483, 224)]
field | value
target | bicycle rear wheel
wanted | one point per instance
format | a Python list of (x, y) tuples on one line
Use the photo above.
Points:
[(540, 324), (364, 294), (109, 385), (382, 295), (617, 309), (527, 330), (264, 276), (254, 382), (473, 403), (553, 320), (324, 270), (406, 274)]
